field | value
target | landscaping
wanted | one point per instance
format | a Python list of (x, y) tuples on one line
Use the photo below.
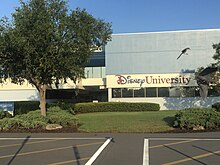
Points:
[(161, 121), (109, 117), (35, 121)]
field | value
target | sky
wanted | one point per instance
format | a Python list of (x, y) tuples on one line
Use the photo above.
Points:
[(131, 16)]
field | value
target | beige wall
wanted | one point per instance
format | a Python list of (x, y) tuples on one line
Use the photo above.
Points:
[(11, 86)]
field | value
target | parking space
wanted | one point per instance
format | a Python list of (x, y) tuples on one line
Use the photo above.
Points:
[(51, 151), (120, 149), (170, 151)]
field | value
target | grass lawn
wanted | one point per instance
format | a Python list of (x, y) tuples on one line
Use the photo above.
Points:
[(127, 121)]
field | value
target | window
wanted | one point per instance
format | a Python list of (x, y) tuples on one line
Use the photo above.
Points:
[(163, 92), (88, 72), (158, 92), (139, 92), (175, 92), (116, 93), (94, 72), (127, 92), (151, 92)]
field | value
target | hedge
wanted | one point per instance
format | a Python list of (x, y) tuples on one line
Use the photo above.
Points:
[(23, 107), (194, 117), (115, 107)]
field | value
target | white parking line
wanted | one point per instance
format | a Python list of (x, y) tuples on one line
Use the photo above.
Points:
[(146, 158), (90, 161), (146, 152), (98, 152)]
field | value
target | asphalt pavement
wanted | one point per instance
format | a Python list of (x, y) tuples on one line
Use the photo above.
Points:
[(110, 148)]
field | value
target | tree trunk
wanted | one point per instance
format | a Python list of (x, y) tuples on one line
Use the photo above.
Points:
[(42, 92)]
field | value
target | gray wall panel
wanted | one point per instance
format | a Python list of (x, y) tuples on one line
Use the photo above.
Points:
[(157, 52)]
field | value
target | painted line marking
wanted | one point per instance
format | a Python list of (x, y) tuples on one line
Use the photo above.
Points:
[(49, 150), (170, 144), (181, 139), (53, 138), (193, 158), (18, 144), (98, 152), (69, 161), (146, 152), (146, 158)]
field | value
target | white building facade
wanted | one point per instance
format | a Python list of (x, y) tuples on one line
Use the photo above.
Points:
[(138, 67), (143, 67)]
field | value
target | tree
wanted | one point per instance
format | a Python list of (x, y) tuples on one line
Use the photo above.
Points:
[(210, 75), (217, 54), (216, 57), (47, 42)]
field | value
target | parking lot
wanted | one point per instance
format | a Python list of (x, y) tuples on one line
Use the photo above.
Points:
[(170, 151), (109, 149), (49, 151)]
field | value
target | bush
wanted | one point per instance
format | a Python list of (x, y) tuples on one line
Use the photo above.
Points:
[(63, 106), (23, 107), (4, 114), (115, 107), (194, 117), (216, 106), (56, 115), (34, 119)]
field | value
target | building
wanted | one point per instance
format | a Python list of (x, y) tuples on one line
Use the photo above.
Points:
[(143, 67), (139, 67)]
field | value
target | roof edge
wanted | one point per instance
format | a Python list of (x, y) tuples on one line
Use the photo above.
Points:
[(177, 31)]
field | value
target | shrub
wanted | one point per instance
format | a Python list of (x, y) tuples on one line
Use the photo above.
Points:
[(194, 117), (115, 107), (23, 107), (63, 106), (216, 106), (34, 119), (56, 115), (4, 114)]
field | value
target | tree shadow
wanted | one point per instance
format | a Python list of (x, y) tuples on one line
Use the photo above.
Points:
[(77, 155), (188, 156), (179, 103), (18, 151), (206, 150), (169, 120)]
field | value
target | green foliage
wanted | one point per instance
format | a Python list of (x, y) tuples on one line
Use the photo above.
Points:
[(58, 116), (216, 106), (217, 53), (46, 43), (152, 121), (115, 107), (4, 114), (194, 117), (34, 119), (23, 107), (64, 106)]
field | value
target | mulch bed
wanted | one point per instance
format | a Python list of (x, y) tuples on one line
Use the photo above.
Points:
[(40, 130), (73, 129)]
